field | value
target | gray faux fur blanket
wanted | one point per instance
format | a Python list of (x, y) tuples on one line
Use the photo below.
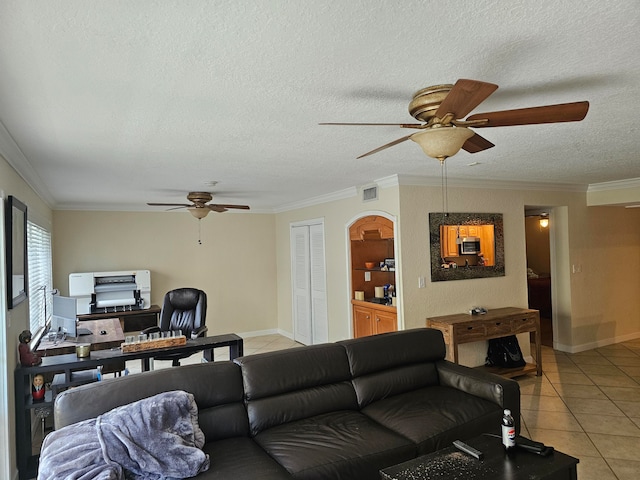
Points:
[(157, 438)]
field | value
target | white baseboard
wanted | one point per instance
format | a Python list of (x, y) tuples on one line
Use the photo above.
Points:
[(597, 344), (260, 333)]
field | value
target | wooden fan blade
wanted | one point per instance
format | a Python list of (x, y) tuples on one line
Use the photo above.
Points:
[(218, 207), (391, 144), (169, 204), (401, 125), (464, 97), (477, 144), (563, 112)]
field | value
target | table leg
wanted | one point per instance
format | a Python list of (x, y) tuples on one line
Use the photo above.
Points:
[(538, 345), (236, 349)]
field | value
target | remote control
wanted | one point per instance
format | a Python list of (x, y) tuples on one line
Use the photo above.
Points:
[(533, 447), (468, 449)]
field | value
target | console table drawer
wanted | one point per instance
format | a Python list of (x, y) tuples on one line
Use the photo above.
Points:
[(465, 333), (523, 324), (498, 327)]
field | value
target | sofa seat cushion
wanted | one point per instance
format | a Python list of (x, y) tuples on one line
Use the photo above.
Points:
[(338, 445), (433, 417), (240, 458)]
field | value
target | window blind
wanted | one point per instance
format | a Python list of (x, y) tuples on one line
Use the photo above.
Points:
[(40, 278)]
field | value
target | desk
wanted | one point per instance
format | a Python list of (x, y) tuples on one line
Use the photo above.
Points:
[(499, 322), (113, 338), (130, 320), (450, 464), (68, 363)]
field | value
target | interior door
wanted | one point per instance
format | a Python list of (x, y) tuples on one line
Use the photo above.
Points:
[(319, 320), (310, 321), (301, 282)]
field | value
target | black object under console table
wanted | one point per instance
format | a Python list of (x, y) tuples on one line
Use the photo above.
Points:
[(69, 363)]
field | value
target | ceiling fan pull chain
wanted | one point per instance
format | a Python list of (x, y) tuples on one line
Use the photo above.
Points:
[(199, 232), (446, 186), (444, 189)]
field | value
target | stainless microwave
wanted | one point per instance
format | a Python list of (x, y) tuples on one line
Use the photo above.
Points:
[(470, 246)]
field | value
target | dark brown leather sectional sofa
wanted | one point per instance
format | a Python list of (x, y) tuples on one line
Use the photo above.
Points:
[(340, 410)]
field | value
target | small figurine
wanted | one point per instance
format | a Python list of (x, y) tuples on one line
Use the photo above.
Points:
[(37, 388), (27, 357)]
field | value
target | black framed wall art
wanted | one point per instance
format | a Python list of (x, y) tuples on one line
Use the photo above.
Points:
[(16, 250)]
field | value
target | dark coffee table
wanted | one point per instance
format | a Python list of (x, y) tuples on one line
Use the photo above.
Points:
[(450, 463)]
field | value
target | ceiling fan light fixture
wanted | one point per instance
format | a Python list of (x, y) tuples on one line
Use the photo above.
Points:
[(198, 212), (442, 142)]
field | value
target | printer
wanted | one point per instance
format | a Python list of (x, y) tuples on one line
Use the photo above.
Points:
[(104, 292)]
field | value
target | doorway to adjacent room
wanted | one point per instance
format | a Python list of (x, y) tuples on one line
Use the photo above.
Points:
[(539, 268)]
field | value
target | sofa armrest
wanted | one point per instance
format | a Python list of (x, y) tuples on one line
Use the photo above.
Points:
[(502, 391)]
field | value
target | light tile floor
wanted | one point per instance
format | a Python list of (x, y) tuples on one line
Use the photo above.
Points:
[(586, 404)]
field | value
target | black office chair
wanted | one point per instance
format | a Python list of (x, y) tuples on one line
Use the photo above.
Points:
[(183, 309)]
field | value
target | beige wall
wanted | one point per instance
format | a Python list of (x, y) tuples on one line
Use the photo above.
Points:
[(583, 316), (606, 293), (457, 296), (13, 321), (235, 264)]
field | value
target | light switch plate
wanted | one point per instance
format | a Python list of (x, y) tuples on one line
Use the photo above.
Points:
[(367, 276)]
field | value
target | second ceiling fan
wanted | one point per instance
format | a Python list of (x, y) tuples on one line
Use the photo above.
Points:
[(200, 206), (441, 108)]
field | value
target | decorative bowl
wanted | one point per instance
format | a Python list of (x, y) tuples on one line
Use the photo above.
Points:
[(369, 264)]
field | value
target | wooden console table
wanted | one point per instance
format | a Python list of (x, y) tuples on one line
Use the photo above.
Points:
[(500, 322)]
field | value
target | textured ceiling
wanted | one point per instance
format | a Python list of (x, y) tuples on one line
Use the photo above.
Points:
[(115, 104)]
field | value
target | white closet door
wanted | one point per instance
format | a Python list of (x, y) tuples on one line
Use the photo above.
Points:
[(301, 283), (319, 320), (309, 284)]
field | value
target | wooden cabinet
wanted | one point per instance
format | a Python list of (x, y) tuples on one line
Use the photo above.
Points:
[(370, 319), (448, 241), (372, 227), (372, 241), (449, 246)]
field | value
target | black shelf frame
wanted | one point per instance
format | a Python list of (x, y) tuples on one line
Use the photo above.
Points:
[(69, 363)]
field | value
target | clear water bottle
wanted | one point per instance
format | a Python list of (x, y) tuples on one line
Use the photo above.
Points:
[(508, 431)]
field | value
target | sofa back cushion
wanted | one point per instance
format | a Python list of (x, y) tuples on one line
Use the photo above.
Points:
[(393, 363), (216, 387), (292, 384)]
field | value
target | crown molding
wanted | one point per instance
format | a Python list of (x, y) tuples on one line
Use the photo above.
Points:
[(310, 202), (11, 152), (615, 185), (419, 180)]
